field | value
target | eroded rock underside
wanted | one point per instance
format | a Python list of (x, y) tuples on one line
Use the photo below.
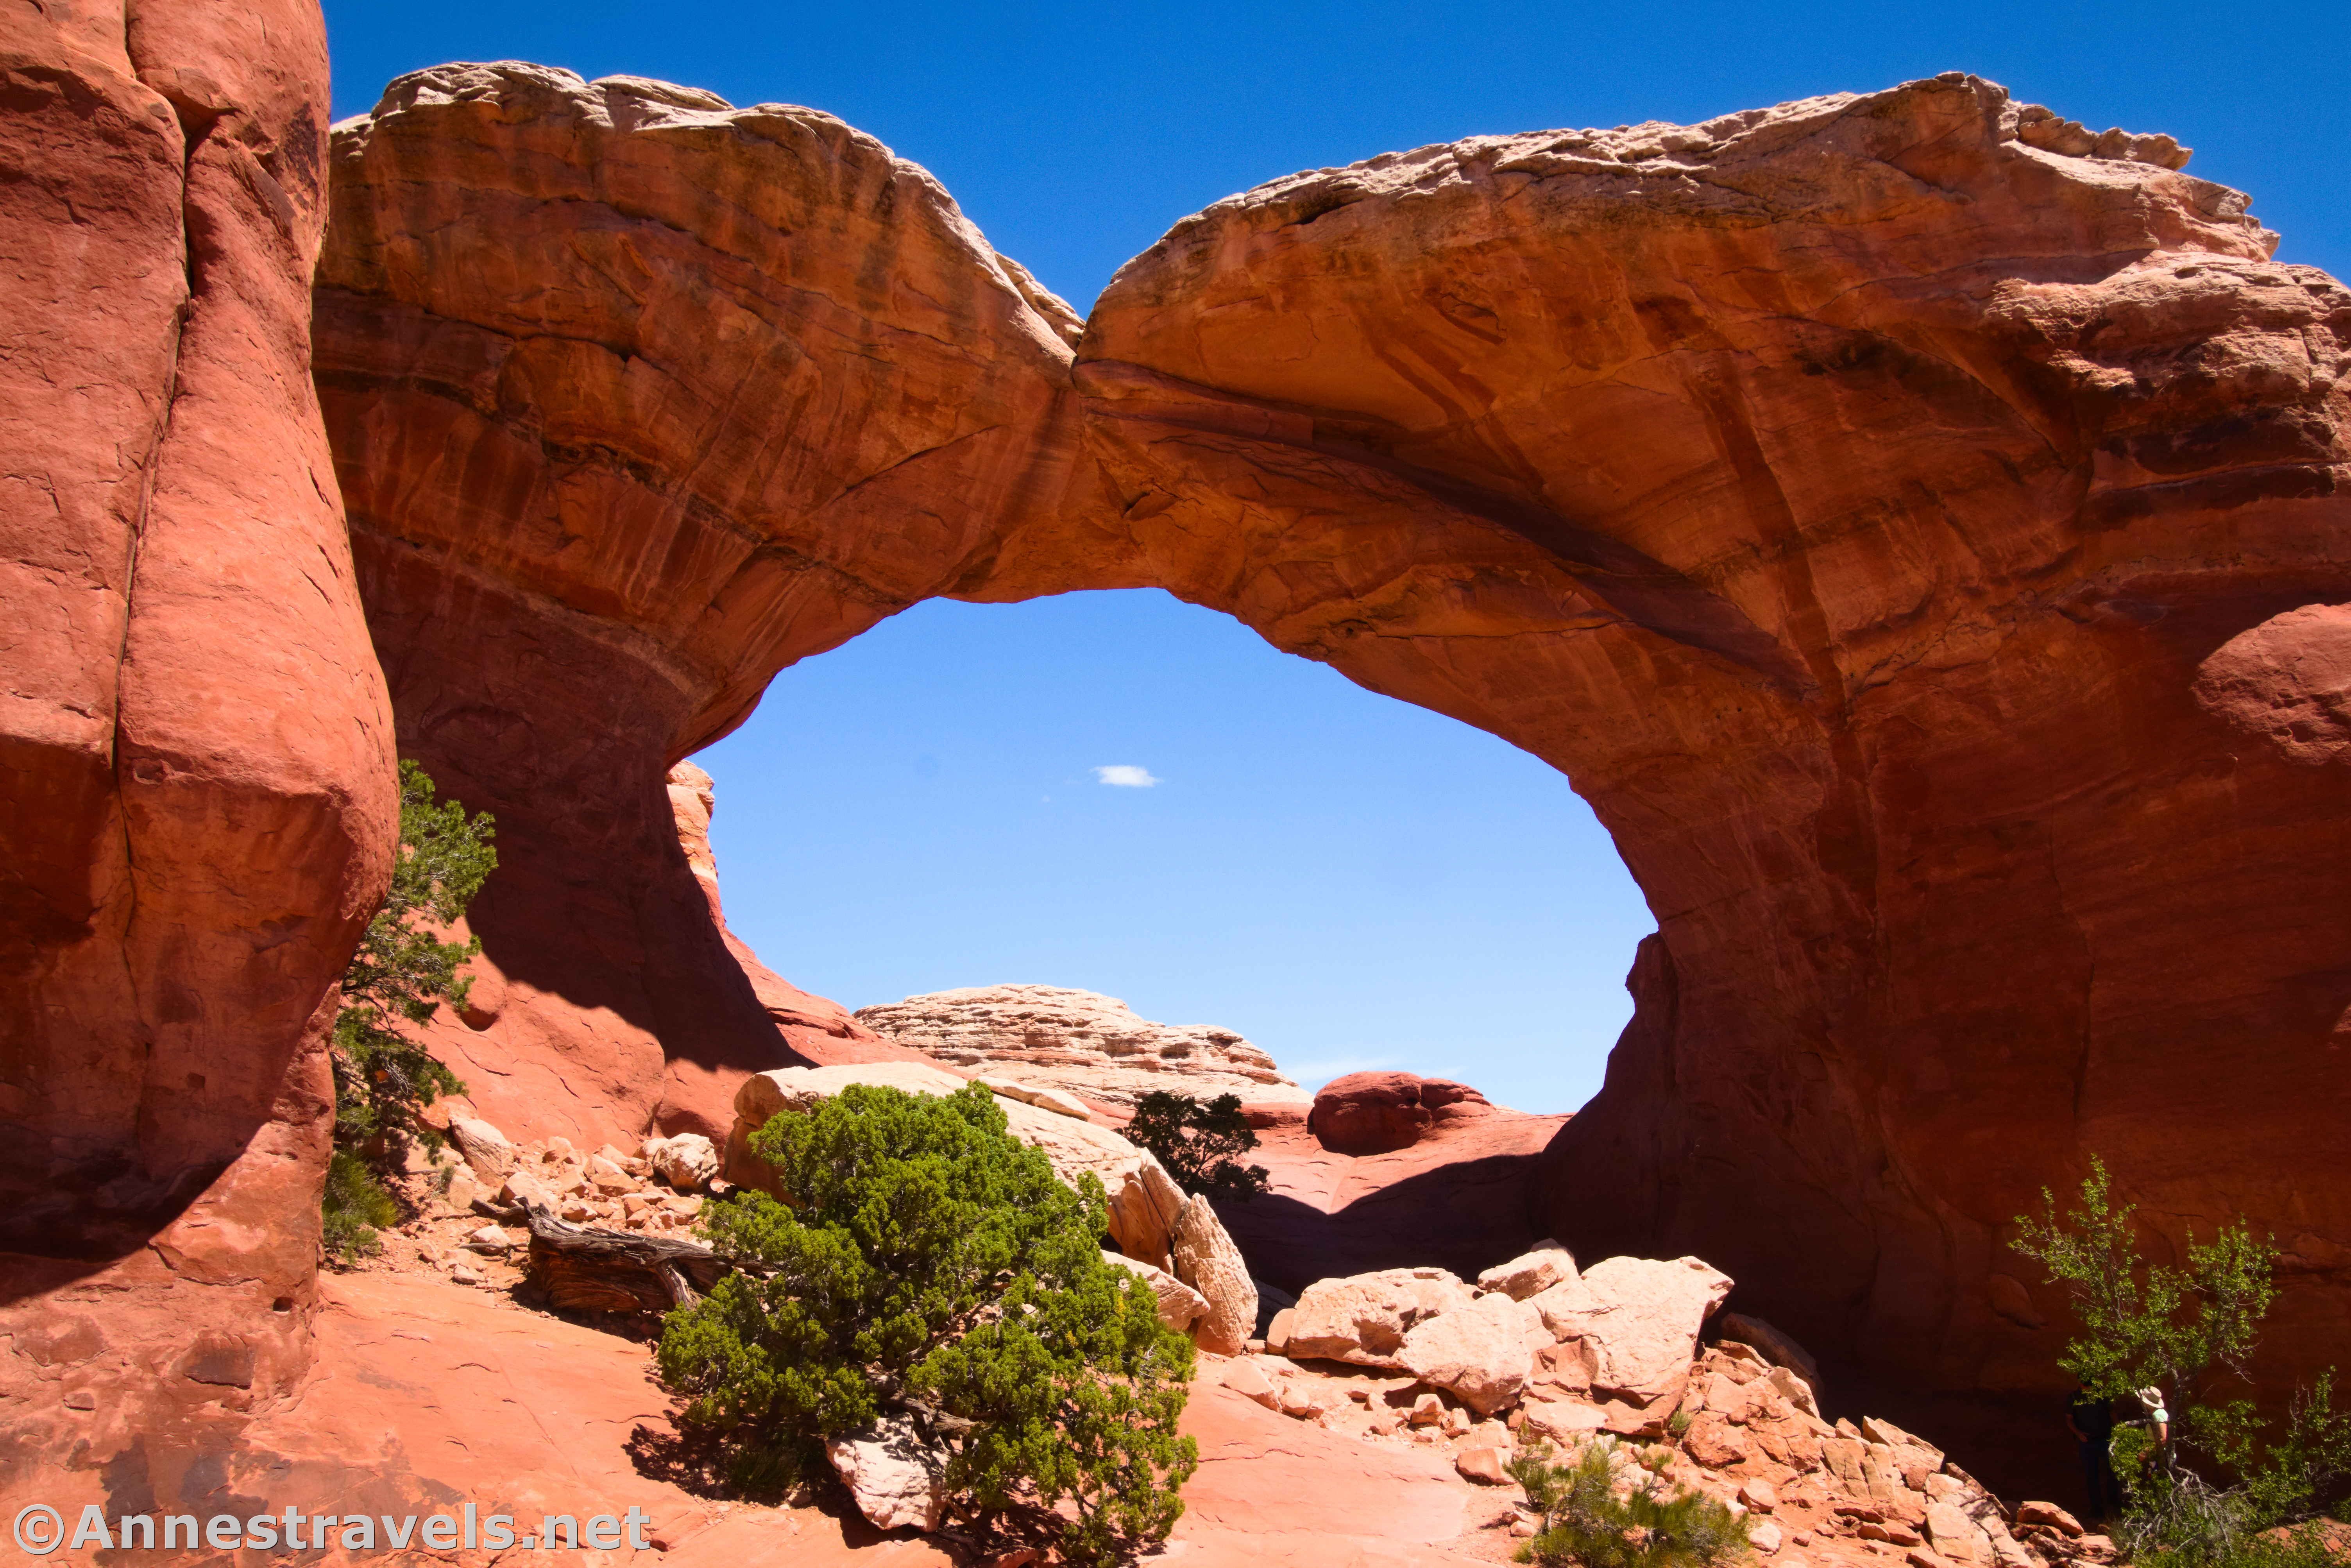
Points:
[(1917, 541), (1914, 527)]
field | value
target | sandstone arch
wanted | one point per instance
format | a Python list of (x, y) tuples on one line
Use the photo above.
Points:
[(1912, 523)]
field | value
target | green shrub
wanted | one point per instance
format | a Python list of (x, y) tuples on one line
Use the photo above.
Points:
[(930, 1265), (355, 1206), (1586, 1523), (1197, 1143), (402, 974), (2214, 1494)]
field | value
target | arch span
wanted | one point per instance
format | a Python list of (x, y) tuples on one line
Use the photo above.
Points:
[(1912, 523)]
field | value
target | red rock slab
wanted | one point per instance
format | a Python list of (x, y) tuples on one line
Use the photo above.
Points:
[(1271, 1488), (429, 1395), (1464, 1198)]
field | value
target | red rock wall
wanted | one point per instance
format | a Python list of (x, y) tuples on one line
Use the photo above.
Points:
[(1915, 540), (195, 744)]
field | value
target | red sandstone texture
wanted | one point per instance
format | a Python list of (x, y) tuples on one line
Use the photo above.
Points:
[(1911, 522), (195, 749)]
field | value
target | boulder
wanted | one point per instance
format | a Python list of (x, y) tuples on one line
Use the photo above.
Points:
[(1531, 1272), (1180, 1306), (1638, 1320), (528, 1190), (892, 1476), (1376, 1112), (1796, 1390), (688, 1162), (1955, 1536), (1144, 1206), (1480, 1352), (1486, 1466), (1714, 1441), (1206, 1260), (1363, 1319), (483, 1148), (2050, 1515), (1245, 1377)]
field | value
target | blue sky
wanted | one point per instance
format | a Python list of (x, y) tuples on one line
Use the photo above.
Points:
[(1346, 880)]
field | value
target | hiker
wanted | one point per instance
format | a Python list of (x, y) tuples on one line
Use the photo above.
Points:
[(2091, 1418), (2155, 1418)]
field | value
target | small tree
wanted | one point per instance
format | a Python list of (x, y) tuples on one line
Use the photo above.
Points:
[(400, 976), (1197, 1143), (2207, 1497), (930, 1269), (1592, 1518), (402, 972), (354, 1205)]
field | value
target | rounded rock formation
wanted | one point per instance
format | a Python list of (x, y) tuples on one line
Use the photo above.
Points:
[(1380, 1112)]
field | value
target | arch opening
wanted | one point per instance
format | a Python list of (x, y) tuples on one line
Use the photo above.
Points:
[(1352, 882)]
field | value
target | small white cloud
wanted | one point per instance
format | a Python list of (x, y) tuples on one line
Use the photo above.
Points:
[(1126, 775)]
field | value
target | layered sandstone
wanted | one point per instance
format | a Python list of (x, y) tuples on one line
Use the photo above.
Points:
[(1913, 525), (196, 784), (1084, 1041)]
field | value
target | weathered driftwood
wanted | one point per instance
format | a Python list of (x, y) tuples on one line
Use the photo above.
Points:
[(587, 1270)]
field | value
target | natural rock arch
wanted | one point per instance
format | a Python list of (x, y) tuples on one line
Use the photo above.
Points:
[(1919, 541)]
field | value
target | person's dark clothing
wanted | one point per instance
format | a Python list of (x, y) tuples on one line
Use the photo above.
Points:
[(2093, 1419)]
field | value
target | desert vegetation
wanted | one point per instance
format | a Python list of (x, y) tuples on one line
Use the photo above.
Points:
[(402, 974), (2216, 1485), (934, 1299), (1610, 1506), (1200, 1144)]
